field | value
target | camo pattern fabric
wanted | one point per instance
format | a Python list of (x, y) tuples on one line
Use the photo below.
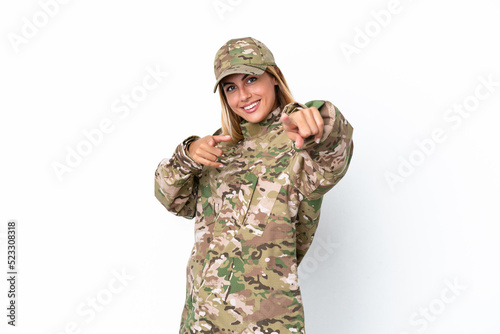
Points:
[(242, 51), (255, 219)]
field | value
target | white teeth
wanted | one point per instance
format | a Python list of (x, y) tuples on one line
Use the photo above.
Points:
[(251, 106)]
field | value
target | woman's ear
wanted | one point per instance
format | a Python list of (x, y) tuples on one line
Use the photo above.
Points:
[(275, 81), (279, 73)]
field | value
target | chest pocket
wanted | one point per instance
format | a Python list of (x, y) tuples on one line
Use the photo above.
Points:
[(248, 209)]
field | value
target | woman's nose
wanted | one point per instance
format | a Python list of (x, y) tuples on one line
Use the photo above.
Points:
[(244, 93)]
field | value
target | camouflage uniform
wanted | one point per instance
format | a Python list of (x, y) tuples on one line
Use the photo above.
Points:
[(255, 220)]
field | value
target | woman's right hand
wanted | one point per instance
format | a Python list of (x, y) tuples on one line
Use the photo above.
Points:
[(204, 151)]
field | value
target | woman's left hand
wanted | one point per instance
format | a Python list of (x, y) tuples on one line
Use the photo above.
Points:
[(303, 123)]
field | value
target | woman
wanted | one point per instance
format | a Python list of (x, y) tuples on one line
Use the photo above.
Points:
[(255, 187)]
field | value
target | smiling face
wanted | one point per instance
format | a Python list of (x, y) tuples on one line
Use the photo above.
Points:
[(252, 97)]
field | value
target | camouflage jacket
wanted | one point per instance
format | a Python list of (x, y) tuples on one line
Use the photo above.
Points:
[(255, 220)]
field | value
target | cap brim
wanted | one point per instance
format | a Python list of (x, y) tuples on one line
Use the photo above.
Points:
[(246, 69)]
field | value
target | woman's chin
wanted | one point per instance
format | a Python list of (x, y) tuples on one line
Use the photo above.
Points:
[(255, 117)]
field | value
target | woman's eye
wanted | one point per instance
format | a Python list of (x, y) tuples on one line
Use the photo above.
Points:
[(229, 89), (252, 79)]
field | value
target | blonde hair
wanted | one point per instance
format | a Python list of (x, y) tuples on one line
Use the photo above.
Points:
[(231, 121)]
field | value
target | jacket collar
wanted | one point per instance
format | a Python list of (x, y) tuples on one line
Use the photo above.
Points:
[(251, 130)]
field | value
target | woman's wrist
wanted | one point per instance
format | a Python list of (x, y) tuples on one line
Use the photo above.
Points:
[(187, 144)]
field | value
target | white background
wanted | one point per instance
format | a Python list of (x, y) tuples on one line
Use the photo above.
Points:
[(397, 249)]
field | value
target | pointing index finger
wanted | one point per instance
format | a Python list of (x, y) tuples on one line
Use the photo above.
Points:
[(287, 120), (220, 138)]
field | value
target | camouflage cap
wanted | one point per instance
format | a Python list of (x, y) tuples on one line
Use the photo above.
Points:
[(241, 55)]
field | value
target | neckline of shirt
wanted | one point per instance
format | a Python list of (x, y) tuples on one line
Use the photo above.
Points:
[(251, 130)]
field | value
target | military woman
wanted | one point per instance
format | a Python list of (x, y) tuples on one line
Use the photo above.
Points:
[(255, 188)]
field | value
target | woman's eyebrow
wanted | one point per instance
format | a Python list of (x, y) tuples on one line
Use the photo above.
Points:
[(227, 83)]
